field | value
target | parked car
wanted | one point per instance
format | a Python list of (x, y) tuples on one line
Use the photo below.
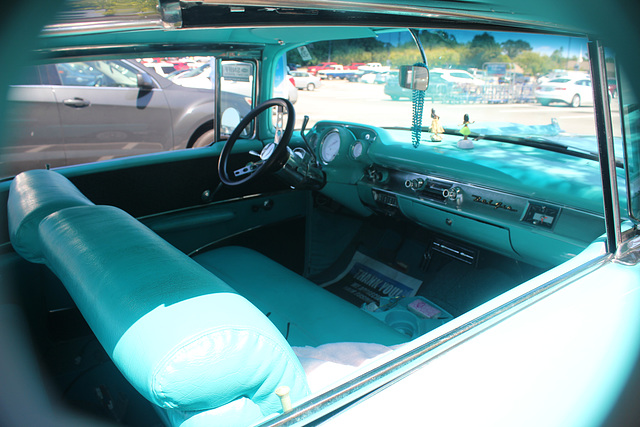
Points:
[(438, 90), (460, 77), (65, 112), (345, 261), (199, 77), (373, 67), (164, 68), (305, 80), (572, 91), (339, 72), (560, 73), (313, 69), (368, 78), (354, 66)]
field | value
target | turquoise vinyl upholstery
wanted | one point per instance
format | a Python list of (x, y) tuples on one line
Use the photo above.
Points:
[(304, 312), (33, 195), (182, 337)]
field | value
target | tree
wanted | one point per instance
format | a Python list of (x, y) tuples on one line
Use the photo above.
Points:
[(558, 58), (484, 41), (483, 48), (514, 48), (437, 38), (534, 63)]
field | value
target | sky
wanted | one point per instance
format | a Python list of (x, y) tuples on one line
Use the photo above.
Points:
[(544, 44)]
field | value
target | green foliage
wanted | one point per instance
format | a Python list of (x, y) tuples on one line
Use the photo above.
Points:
[(112, 7), (514, 48), (442, 50), (534, 63), (444, 56)]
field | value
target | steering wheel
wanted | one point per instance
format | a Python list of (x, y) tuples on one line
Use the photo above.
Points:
[(272, 156)]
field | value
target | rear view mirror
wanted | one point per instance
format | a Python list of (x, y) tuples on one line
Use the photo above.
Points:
[(414, 77)]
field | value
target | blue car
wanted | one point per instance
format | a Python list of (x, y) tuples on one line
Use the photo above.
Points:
[(447, 260)]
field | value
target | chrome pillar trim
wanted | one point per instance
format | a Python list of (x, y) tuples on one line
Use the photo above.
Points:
[(403, 365), (604, 133), (628, 252), (416, 38)]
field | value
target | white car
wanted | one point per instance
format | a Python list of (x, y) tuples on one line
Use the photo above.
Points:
[(459, 77), (572, 91), (305, 80), (368, 78), (196, 77)]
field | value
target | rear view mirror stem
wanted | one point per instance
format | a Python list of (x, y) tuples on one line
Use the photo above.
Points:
[(414, 34)]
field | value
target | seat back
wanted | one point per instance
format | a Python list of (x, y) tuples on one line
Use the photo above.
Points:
[(181, 336)]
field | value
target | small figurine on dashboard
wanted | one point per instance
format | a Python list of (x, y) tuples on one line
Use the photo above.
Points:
[(465, 142), (436, 127)]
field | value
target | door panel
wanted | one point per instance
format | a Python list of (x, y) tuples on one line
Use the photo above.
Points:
[(35, 136)]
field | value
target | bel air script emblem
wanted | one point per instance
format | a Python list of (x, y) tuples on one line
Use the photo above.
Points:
[(496, 205)]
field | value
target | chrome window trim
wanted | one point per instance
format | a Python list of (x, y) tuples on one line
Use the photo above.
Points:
[(604, 134)]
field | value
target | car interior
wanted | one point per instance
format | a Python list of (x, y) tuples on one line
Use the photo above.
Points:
[(187, 287)]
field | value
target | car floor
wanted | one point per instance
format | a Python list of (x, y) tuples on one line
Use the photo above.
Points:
[(457, 286)]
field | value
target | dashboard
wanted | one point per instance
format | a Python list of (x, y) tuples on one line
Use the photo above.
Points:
[(518, 208)]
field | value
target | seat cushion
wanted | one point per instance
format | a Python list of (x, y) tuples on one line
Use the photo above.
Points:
[(306, 314), (34, 195), (180, 335)]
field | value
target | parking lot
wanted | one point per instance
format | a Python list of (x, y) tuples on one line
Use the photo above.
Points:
[(367, 103)]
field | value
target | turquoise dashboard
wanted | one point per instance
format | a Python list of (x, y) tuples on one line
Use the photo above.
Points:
[(531, 204)]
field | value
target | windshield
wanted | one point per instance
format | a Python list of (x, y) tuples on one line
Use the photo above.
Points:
[(509, 84)]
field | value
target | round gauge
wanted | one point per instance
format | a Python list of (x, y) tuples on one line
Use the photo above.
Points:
[(330, 146), (356, 149)]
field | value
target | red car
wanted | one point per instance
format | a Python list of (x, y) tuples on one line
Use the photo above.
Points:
[(323, 66), (354, 65)]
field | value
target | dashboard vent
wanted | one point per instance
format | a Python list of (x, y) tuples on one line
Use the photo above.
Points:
[(386, 199)]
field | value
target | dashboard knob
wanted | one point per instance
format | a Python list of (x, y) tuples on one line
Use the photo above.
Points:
[(451, 193), (414, 184)]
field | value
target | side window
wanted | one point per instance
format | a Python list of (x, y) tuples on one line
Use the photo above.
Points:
[(30, 76), (97, 74), (282, 85), (237, 89)]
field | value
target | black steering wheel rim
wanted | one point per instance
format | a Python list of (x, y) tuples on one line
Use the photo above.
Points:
[(276, 158)]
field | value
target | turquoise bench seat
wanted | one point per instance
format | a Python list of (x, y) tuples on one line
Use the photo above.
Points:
[(305, 313), (203, 340)]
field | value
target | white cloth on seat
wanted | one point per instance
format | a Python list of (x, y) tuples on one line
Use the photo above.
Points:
[(329, 363)]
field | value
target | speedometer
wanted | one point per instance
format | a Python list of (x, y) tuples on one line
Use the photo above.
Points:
[(330, 146)]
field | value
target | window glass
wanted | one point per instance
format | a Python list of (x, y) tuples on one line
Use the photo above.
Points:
[(516, 85), (237, 83), (622, 95), (29, 76), (97, 74)]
